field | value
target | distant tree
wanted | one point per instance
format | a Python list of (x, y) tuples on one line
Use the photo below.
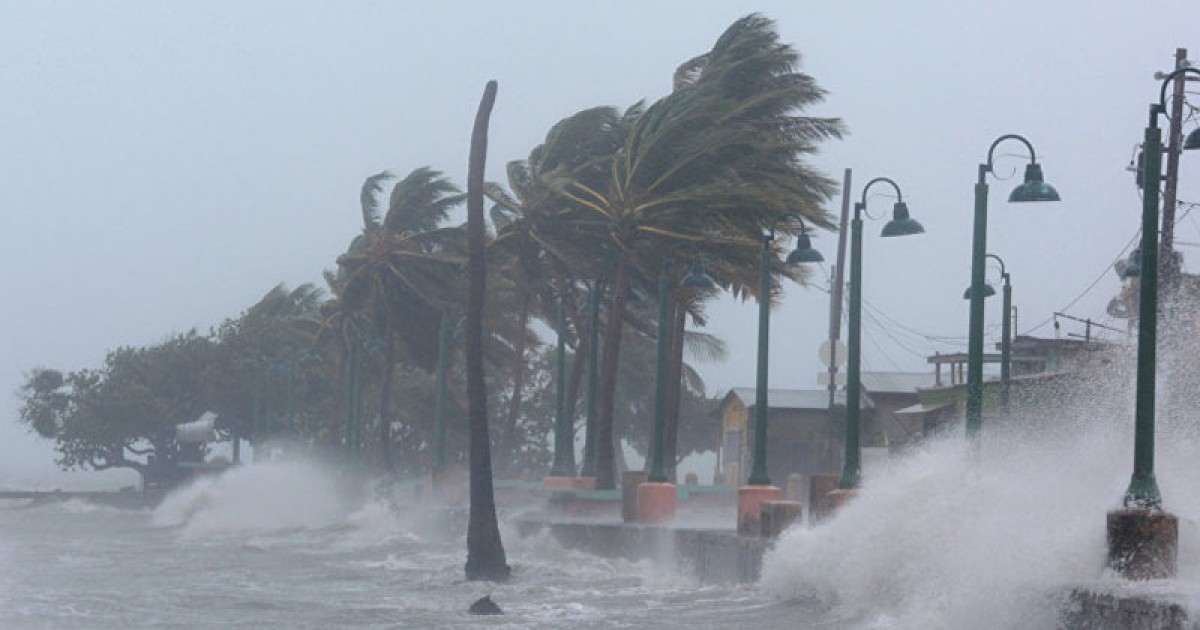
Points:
[(124, 414)]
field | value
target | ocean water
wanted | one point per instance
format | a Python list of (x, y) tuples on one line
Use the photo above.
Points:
[(275, 546), (940, 538)]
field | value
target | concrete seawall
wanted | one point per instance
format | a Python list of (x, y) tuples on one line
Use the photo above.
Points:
[(711, 555)]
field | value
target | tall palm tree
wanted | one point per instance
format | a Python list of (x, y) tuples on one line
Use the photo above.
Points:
[(537, 241), (400, 271), (485, 551), (711, 164)]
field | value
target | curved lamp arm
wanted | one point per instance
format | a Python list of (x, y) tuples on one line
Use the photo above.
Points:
[(986, 167), (1000, 260), (770, 236), (1162, 92), (858, 207)]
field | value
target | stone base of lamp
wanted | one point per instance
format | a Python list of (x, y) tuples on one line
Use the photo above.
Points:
[(777, 516), (655, 502), (836, 499), (819, 487), (750, 499), (1142, 544)]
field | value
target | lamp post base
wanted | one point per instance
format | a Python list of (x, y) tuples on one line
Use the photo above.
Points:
[(655, 502), (819, 487), (836, 499), (750, 500), (1142, 544)]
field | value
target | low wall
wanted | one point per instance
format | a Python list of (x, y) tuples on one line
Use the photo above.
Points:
[(1088, 609), (709, 555)]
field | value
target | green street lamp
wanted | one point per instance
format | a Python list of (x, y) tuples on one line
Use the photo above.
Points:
[(696, 279), (588, 469), (804, 253), (901, 225), (1143, 489), (1005, 334), (1143, 538), (1034, 188), (564, 433)]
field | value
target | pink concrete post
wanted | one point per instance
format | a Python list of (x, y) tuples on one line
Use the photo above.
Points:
[(750, 499), (655, 502)]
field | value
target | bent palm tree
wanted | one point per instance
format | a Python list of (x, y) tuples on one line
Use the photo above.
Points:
[(485, 551), (711, 164)]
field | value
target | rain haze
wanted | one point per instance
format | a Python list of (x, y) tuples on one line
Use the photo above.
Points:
[(166, 164), (169, 163)]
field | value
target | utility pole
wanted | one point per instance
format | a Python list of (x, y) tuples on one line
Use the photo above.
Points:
[(835, 291), (1168, 268), (835, 319)]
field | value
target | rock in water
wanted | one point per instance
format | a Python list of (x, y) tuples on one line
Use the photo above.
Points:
[(485, 606)]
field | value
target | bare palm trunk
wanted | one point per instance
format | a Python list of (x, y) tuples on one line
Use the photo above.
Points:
[(485, 551), (605, 473)]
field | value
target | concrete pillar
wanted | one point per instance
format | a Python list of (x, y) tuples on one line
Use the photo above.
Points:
[(819, 488), (777, 516), (838, 498), (794, 490), (1142, 544), (655, 502), (749, 500), (630, 480)]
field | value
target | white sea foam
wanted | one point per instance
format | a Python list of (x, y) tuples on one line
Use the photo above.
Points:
[(256, 498), (951, 539)]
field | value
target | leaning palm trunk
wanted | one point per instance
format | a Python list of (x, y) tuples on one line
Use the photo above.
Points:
[(485, 551), (605, 398)]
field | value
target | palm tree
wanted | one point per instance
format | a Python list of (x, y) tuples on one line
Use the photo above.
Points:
[(400, 271), (711, 164), (537, 243), (485, 551)]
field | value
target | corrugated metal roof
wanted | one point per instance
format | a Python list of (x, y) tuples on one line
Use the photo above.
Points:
[(896, 382), (797, 398)]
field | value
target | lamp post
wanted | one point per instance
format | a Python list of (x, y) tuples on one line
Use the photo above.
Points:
[(1142, 538), (656, 497), (804, 253), (1034, 188), (758, 486), (564, 434), (900, 225), (1005, 334)]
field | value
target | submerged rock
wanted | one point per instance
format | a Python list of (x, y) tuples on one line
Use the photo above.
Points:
[(485, 606)]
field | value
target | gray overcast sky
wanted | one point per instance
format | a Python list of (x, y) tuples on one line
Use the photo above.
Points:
[(165, 164)]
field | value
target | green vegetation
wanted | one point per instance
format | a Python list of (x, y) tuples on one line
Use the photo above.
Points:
[(348, 371)]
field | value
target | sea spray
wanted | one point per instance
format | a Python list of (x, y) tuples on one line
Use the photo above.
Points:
[(955, 539), (263, 497)]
